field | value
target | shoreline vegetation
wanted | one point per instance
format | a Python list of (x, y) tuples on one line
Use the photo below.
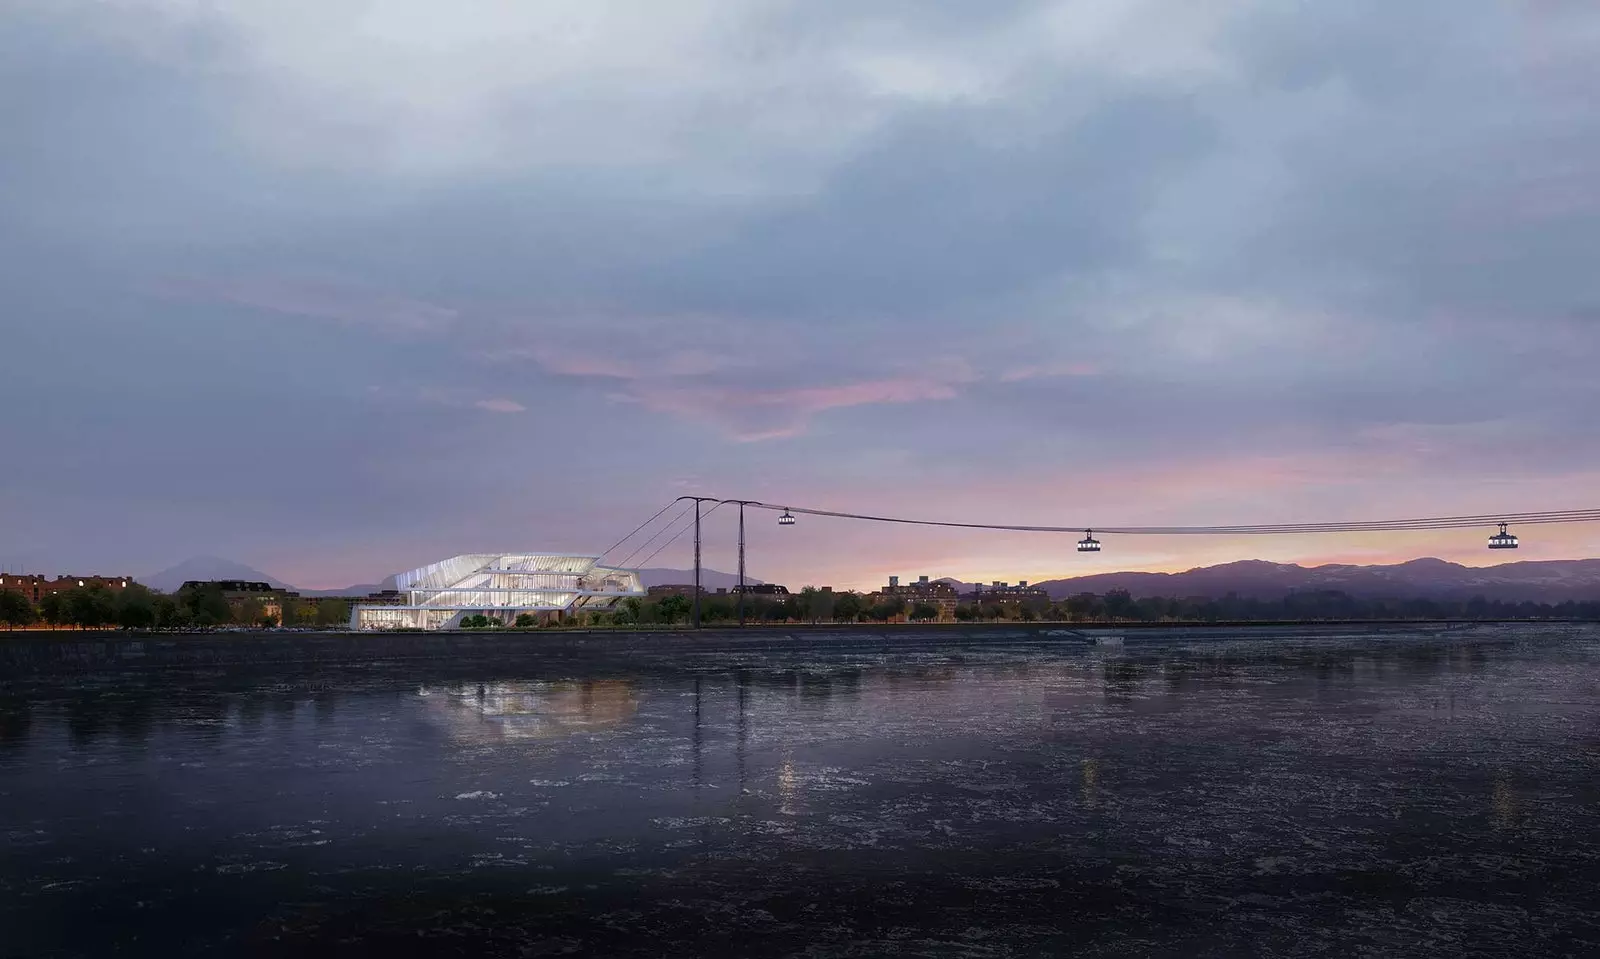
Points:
[(139, 609)]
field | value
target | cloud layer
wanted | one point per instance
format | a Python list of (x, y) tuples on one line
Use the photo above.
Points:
[(409, 279)]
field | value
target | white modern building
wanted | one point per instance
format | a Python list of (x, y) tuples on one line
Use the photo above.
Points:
[(502, 586)]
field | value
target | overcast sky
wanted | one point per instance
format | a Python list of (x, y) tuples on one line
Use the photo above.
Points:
[(339, 288)]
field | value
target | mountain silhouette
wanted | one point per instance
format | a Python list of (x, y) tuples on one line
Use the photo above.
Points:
[(1545, 581), (204, 568)]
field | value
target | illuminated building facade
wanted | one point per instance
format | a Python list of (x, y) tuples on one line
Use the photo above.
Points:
[(501, 586), (35, 588)]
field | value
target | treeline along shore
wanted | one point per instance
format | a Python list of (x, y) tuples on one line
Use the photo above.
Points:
[(138, 608)]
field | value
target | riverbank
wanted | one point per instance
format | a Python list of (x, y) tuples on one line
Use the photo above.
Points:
[(71, 651)]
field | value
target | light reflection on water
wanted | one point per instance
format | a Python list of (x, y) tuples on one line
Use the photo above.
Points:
[(1421, 796), (529, 710)]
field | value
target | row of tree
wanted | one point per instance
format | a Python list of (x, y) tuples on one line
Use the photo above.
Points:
[(815, 606), (139, 607)]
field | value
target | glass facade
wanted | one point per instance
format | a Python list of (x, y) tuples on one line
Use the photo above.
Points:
[(502, 586)]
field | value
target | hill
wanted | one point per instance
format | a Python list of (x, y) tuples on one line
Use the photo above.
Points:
[(709, 578), (1549, 581), (207, 567)]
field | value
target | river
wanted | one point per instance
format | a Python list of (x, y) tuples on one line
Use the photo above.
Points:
[(1398, 794)]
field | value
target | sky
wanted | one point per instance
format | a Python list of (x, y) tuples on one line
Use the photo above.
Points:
[(339, 288)]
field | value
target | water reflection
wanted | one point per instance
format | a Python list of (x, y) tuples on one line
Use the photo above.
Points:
[(815, 801), (1503, 802), (507, 711)]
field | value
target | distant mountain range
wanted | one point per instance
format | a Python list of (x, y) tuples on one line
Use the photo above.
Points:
[(172, 578), (1550, 581)]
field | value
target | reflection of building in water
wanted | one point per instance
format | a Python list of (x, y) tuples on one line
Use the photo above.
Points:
[(788, 788), (530, 710), (1091, 781)]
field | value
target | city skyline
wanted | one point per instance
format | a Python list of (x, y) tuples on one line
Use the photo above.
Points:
[(334, 290)]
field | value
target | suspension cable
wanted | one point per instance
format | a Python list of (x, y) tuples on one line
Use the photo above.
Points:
[(1422, 523), (658, 534), (680, 532), (636, 529)]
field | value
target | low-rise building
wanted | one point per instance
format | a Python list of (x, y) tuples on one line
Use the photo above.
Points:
[(254, 599), (502, 587), (36, 587), (1003, 593), (940, 595)]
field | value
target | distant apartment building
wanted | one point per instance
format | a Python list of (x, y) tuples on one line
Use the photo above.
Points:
[(35, 587), (269, 600), (1002, 592), (941, 596), (761, 589)]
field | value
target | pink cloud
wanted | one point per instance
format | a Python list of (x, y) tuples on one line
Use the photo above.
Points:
[(680, 383), (751, 414)]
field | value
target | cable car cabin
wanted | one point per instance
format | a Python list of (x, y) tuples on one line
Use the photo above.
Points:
[(1502, 539), (787, 519), (1088, 544)]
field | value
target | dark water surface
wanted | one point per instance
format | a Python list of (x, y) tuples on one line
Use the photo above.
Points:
[(1394, 795)]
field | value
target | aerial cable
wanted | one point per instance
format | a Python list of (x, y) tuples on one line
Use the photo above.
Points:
[(636, 529), (1422, 523), (658, 534), (680, 532)]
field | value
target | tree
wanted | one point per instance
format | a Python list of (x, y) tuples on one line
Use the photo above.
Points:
[(1083, 606), (1119, 604), (672, 607), (16, 610), (333, 612), (887, 609), (136, 608), (90, 608), (716, 609), (53, 609), (295, 612), (527, 620), (923, 612), (847, 607), (206, 606), (248, 612), (813, 605), (965, 612)]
